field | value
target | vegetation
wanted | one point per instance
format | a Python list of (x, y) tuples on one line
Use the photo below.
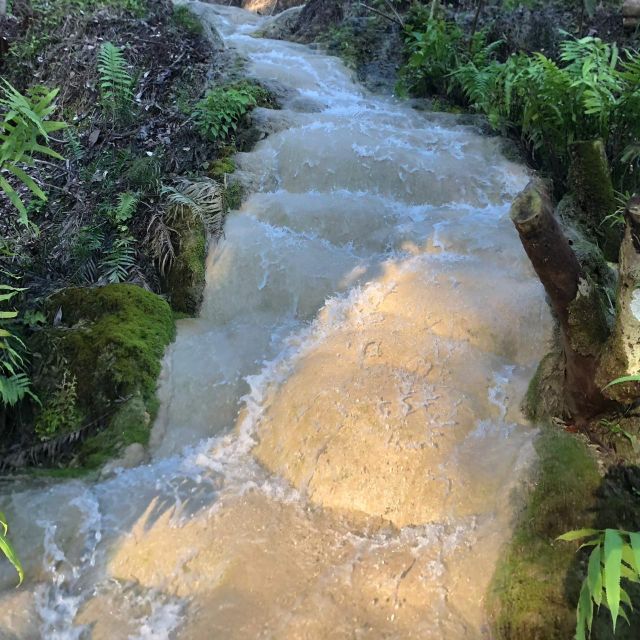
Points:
[(7, 548), (615, 556), (15, 383), (220, 111), (536, 581), (119, 211), (25, 127), (116, 84), (590, 92)]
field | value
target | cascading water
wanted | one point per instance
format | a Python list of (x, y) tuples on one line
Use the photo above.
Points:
[(339, 437)]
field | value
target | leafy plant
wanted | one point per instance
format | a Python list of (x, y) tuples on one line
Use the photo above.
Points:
[(143, 174), (434, 52), (160, 238), (116, 83), (119, 260), (24, 135), (202, 199), (125, 208), (615, 429), (615, 555), (60, 412), (87, 243), (15, 383), (7, 548), (220, 111), (591, 92), (75, 150)]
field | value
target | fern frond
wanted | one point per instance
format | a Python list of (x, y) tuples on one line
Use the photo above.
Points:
[(14, 388), (126, 207), (119, 260), (116, 84), (160, 240), (202, 198)]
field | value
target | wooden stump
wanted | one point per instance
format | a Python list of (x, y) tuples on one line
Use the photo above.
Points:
[(569, 291)]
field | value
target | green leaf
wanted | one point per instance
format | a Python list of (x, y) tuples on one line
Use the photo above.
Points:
[(632, 378), (15, 199), (27, 180), (584, 613), (612, 560), (8, 550), (594, 575), (577, 534), (634, 539)]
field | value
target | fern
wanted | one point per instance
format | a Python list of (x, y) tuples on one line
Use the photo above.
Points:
[(24, 135), (118, 262), (160, 238), (88, 241), (14, 381), (126, 207), (14, 388), (116, 84), (75, 150)]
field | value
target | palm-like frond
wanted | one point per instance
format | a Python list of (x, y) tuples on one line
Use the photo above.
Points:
[(201, 198)]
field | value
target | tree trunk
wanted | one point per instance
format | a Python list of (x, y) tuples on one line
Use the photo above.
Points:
[(590, 181), (621, 356), (3, 7), (570, 294)]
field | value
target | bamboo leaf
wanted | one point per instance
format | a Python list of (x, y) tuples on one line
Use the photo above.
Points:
[(612, 560)]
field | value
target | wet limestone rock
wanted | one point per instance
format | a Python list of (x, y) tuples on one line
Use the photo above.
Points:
[(317, 17), (111, 341), (185, 279), (415, 359), (280, 26)]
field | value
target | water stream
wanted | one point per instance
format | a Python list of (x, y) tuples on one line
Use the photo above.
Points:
[(339, 439)]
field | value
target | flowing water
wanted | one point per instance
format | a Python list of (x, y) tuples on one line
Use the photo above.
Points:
[(339, 438)]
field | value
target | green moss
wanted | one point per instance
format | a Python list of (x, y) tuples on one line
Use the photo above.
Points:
[(130, 424), (587, 319), (185, 18), (112, 340), (537, 582), (219, 168), (590, 180), (186, 278)]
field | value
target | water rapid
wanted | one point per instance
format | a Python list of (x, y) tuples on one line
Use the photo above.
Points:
[(339, 438)]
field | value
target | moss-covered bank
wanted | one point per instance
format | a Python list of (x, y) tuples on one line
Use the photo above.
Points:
[(185, 279), (109, 341), (535, 590), (537, 583)]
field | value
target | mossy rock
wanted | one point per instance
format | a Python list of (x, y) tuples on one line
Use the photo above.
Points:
[(185, 280), (536, 585), (544, 398), (130, 424), (111, 340)]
